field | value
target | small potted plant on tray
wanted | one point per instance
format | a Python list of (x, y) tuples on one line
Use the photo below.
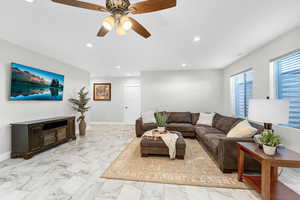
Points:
[(161, 120), (270, 142)]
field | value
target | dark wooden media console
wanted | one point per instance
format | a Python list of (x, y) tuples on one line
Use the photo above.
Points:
[(31, 137)]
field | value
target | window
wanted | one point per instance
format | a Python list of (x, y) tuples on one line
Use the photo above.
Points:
[(287, 81), (242, 85)]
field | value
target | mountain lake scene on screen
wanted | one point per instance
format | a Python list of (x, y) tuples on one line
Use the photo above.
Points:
[(34, 84)]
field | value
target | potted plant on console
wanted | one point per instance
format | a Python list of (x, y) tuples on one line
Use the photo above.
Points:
[(270, 142), (161, 120), (80, 105)]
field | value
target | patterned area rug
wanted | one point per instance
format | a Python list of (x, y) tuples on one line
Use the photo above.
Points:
[(197, 169)]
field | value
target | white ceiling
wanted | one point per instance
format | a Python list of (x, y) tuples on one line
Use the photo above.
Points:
[(228, 29)]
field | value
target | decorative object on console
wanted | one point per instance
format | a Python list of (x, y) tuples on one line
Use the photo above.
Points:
[(102, 91), (270, 142), (257, 140), (269, 111), (206, 119), (161, 121), (29, 83), (80, 105), (31, 137)]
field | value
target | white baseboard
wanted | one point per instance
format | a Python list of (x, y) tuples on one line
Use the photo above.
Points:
[(4, 156), (110, 123)]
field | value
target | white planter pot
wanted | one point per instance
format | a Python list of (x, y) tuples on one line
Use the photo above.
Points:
[(161, 129), (271, 151)]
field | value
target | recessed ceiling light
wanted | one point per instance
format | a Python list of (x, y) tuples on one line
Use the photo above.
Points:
[(89, 45), (29, 1), (118, 67), (128, 74), (197, 39), (184, 65)]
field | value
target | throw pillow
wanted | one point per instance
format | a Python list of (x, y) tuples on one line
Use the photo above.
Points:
[(206, 119), (148, 117), (242, 130)]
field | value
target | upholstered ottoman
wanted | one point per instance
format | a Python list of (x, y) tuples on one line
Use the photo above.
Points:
[(156, 146)]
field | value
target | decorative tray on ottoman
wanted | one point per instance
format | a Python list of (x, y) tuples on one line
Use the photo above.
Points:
[(156, 131)]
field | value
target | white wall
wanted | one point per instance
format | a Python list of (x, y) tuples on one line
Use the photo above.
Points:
[(21, 111), (194, 91), (111, 111), (259, 61)]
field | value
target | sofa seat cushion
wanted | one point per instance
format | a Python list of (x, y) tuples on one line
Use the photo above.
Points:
[(180, 117), (213, 141), (204, 130), (224, 123), (149, 126), (181, 127)]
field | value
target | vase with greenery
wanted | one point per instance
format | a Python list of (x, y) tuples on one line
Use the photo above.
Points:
[(270, 142), (79, 104), (161, 121)]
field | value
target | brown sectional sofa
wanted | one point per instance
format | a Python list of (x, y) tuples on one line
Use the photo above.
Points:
[(221, 148)]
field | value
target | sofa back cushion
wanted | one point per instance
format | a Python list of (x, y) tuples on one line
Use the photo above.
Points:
[(195, 118), (179, 117), (224, 123)]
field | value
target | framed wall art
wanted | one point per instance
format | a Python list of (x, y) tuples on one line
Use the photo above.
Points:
[(102, 91)]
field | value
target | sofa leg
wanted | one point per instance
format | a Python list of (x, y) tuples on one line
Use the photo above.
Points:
[(181, 157), (227, 171)]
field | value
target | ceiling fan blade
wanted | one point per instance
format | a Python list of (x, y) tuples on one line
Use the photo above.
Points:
[(137, 27), (151, 6), (81, 4), (102, 32)]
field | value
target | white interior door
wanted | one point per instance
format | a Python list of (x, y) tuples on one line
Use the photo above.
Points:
[(132, 103)]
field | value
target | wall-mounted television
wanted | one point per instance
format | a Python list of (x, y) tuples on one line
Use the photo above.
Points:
[(29, 83)]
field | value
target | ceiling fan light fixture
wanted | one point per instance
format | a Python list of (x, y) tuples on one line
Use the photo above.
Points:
[(120, 30), (120, 9), (126, 23), (109, 23)]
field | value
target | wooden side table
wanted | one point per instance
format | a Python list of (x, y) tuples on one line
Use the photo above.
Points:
[(267, 184)]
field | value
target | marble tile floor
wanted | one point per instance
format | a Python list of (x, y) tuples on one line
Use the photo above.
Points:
[(72, 171)]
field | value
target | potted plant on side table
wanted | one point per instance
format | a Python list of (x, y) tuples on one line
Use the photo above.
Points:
[(80, 105), (270, 142), (161, 120)]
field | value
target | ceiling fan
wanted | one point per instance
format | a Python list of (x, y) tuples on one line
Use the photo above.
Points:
[(119, 9)]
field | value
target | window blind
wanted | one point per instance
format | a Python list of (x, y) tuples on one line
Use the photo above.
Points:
[(243, 87), (288, 85)]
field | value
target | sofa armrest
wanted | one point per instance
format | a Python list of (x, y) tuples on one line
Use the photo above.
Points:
[(138, 127), (227, 155)]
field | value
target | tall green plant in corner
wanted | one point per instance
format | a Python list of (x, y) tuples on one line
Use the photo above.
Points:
[(80, 105)]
